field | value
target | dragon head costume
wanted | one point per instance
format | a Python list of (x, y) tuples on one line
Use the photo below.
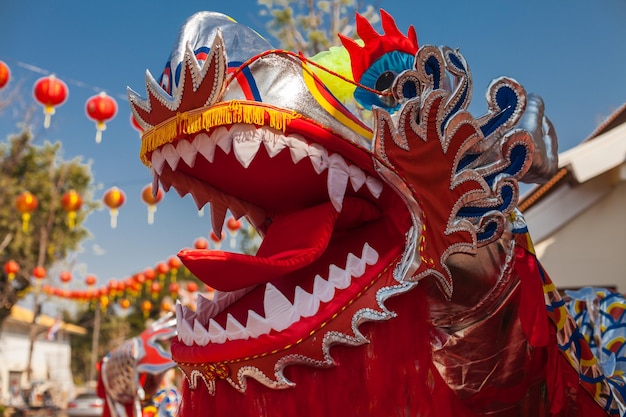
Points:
[(395, 276)]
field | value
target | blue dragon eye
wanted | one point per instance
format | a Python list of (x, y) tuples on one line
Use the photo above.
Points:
[(380, 77), (385, 80)]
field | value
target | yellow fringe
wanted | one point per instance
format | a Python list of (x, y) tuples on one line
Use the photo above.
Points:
[(224, 114)]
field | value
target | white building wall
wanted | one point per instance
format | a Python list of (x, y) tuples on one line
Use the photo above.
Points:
[(590, 249), (50, 361)]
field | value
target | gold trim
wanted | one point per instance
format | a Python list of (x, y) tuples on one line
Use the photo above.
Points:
[(206, 118)]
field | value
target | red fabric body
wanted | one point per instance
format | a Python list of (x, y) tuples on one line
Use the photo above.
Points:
[(394, 374)]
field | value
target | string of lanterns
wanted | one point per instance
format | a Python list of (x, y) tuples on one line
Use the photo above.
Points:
[(51, 92), (125, 292), (150, 282)]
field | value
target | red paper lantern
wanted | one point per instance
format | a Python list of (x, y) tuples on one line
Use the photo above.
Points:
[(26, 203), (71, 202), (65, 277), (200, 243), (166, 306), (50, 92), (101, 108), (162, 268), (174, 264), (233, 225), (91, 280), (174, 287), (192, 286), (115, 287), (114, 198), (39, 272), (149, 274), (146, 306), (155, 289), (140, 279), (11, 268), (151, 199), (5, 74), (217, 240)]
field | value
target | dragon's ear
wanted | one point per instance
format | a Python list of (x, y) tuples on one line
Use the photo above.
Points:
[(378, 60), (375, 45)]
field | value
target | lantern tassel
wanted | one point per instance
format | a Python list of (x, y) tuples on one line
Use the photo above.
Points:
[(48, 111), (100, 127), (25, 222), (104, 302), (113, 218), (71, 220), (151, 210)]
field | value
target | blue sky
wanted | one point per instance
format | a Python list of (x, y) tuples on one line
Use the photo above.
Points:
[(572, 53)]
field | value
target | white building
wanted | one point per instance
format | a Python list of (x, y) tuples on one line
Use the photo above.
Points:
[(578, 219), (50, 358)]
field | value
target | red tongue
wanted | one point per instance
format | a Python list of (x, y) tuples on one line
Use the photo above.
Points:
[(292, 242)]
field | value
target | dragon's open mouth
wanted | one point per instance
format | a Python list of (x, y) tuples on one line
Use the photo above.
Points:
[(330, 227)]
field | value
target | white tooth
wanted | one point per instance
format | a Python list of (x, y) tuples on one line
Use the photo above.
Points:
[(338, 277), (274, 143), (323, 289), (374, 185), (357, 177), (297, 148), (319, 157), (188, 314), (369, 254), (170, 154), (246, 144), (305, 304), (234, 329), (187, 152), (205, 146), (200, 334), (337, 180), (157, 160), (257, 325), (355, 265), (279, 312), (179, 318), (216, 332), (223, 139), (205, 309), (185, 334)]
